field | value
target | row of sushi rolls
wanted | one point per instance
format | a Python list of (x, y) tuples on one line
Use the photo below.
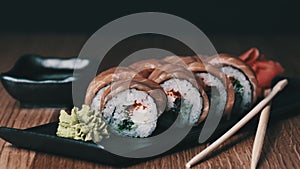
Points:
[(131, 99)]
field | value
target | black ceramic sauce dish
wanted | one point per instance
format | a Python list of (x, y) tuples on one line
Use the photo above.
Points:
[(38, 81)]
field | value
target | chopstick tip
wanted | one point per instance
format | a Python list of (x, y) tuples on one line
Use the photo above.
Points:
[(281, 84), (188, 165)]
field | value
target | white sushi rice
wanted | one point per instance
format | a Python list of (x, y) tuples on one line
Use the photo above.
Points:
[(247, 92), (95, 105), (143, 120), (191, 103), (219, 90)]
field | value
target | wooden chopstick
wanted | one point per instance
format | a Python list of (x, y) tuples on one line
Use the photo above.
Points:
[(278, 87), (260, 133)]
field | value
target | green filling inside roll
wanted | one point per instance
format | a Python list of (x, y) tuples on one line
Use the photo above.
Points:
[(238, 95), (177, 105), (238, 88), (125, 124)]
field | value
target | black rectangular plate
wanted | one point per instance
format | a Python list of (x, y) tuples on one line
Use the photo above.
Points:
[(43, 138)]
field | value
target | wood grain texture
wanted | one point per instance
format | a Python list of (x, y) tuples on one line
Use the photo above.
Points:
[(282, 143)]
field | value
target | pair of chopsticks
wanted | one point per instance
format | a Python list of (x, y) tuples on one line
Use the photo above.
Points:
[(259, 135)]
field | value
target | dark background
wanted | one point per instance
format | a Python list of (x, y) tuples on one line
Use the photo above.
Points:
[(212, 17)]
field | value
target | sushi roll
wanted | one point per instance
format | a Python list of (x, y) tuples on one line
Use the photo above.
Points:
[(102, 81), (209, 78), (217, 86), (242, 78), (184, 94), (132, 107)]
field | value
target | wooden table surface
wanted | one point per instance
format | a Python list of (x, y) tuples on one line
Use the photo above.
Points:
[(282, 143)]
